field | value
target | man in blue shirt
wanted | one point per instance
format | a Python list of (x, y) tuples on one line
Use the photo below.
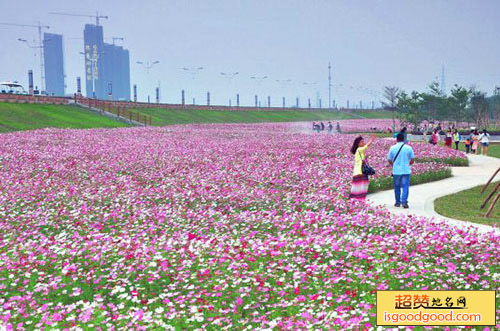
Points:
[(400, 157)]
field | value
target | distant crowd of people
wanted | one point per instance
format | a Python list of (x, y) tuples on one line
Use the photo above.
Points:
[(320, 126), (473, 141)]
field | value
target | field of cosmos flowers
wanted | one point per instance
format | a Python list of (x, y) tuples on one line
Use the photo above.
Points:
[(211, 226)]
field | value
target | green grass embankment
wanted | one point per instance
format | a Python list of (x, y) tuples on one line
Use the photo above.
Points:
[(186, 116), (18, 117)]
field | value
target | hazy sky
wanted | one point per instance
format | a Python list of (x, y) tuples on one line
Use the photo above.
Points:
[(370, 43)]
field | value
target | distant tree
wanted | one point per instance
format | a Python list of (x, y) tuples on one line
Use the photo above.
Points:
[(435, 105), (480, 109), (391, 94), (496, 105), (409, 106), (458, 100)]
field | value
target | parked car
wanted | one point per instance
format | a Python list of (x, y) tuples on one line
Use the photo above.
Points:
[(12, 88)]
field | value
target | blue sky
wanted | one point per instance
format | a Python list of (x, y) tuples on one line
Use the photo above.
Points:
[(370, 44)]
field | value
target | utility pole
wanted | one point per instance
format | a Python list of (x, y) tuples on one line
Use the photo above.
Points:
[(208, 98), (329, 85), (39, 26)]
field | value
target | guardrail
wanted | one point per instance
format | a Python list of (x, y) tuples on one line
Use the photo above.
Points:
[(119, 109), (23, 98)]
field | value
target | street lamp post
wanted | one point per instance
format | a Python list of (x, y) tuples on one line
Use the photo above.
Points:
[(147, 65), (193, 71), (283, 84), (230, 76), (35, 46), (258, 80)]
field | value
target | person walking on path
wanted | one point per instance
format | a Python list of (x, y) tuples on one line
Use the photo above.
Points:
[(475, 142), (434, 137), (456, 138), (360, 181), (448, 139), (468, 143), (404, 132), (484, 138), (401, 157), (330, 126)]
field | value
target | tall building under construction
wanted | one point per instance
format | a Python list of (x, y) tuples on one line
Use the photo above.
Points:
[(107, 66), (54, 64)]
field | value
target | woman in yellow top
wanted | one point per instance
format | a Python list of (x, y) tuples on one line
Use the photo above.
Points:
[(360, 181)]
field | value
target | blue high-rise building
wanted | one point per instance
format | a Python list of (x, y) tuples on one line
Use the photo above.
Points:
[(93, 40), (116, 71), (54, 64), (107, 66)]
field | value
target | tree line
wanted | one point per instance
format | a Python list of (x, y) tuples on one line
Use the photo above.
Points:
[(468, 105)]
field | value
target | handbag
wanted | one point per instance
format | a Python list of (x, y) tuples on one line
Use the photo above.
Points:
[(366, 169)]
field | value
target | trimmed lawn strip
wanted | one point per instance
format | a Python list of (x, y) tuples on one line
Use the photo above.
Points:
[(465, 205), (493, 149)]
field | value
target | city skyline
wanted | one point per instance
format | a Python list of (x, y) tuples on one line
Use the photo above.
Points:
[(369, 44)]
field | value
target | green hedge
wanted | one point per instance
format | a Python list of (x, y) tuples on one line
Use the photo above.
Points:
[(385, 183), (453, 161)]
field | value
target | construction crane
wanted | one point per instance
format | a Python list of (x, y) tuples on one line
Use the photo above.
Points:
[(96, 16), (116, 38), (40, 27), (113, 38)]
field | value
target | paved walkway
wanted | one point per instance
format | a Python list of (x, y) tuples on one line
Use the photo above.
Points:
[(421, 199)]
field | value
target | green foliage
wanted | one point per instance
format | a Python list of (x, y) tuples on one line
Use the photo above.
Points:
[(458, 101), (462, 105), (480, 108), (385, 183), (452, 161), (409, 107)]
